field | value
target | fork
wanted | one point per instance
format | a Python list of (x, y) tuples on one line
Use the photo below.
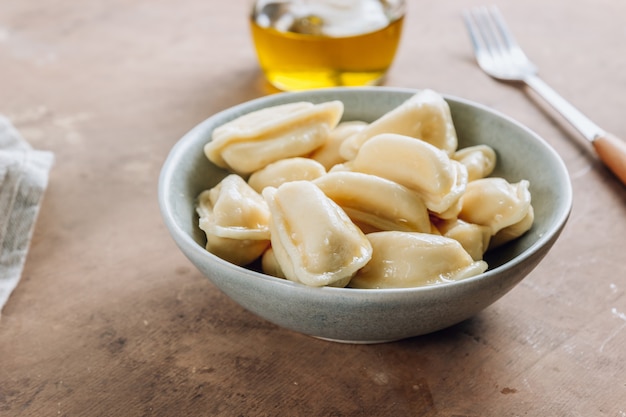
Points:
[(500, 56)]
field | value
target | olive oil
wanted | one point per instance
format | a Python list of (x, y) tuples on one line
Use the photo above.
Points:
[(303, 56)]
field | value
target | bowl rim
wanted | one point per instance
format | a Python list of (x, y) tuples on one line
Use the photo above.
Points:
[(183, 239)]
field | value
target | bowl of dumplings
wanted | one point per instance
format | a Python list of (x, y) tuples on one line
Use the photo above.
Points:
[(364, 215)]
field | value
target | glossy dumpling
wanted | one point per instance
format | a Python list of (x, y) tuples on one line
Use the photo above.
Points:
[(426, 115), (513, 231), (235, 219), (269, 264), (285, 170), (480, 161), (417, 165), (474, 238), (377, 202), (495, 203), (404, 259), (328, 154), (313, 239), (254, 140)]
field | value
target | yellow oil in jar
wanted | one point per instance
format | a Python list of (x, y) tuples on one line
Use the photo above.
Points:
[(299, 61)]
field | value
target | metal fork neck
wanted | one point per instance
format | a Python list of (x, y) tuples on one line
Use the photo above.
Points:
[(582, 123)]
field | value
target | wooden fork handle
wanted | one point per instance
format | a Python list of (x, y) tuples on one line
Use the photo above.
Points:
[(612, 151)]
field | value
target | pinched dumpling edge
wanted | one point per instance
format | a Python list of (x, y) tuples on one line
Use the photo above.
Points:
[(375, 201), (425, 116), (411, 259), (302, 215), (256, 139), (239, 236)]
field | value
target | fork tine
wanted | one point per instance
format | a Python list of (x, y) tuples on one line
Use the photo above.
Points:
[(507, 36), (474, 31), (484, 34), (500, 24), (495, 48), (490, 30)]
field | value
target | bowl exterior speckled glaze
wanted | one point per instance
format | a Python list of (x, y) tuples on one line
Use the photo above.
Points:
[(371, 316)]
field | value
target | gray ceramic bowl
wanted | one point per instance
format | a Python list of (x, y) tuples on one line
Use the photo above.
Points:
[(369, 316)]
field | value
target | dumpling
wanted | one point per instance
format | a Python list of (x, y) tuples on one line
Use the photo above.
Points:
[(269, 264), (417, 165), (473, 237), (495, 203), (328, 154), (480, 160), (426, 115), (404, 259), (377, 202), (285, 170), (313, 239), (254, 140), (513, 231), (235, 219)]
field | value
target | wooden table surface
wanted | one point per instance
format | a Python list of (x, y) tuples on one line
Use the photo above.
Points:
[(110, 319)]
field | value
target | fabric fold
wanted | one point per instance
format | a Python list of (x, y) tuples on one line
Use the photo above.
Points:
[(24, 176)]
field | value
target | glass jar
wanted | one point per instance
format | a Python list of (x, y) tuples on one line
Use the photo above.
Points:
[(305, 44)]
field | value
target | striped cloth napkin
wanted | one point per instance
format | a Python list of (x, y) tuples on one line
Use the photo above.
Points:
[(23, 180)]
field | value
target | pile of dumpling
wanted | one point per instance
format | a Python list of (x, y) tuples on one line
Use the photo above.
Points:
[(387, 204)]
